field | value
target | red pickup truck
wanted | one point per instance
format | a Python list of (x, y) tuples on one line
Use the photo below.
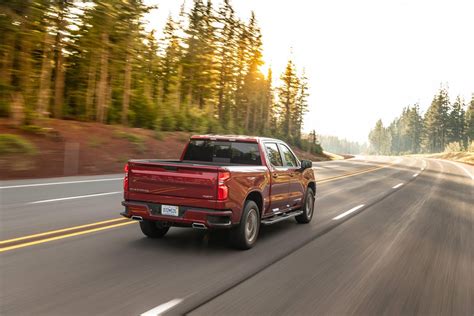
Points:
[(235, 182)]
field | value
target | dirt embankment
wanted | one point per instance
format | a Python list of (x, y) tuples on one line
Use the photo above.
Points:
[(62, 148)]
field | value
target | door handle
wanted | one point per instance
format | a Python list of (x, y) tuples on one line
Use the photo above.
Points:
[(292, 174), (275, 175)]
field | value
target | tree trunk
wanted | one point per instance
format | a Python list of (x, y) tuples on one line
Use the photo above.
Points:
[(126, 88), (91, 80), (102, 85), (7, 60), (59, 69), (42, 106)]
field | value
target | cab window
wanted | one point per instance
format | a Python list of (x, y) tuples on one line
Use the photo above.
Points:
[(273, 154), (290, 159)]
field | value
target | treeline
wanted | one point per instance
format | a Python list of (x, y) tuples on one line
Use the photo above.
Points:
[(446, 125), (94, 61), (338, 145)]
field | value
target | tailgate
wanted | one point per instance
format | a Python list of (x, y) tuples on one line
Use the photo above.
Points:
[(178, 179)]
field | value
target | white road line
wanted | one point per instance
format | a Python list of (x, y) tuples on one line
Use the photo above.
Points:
[(415, 175), (58, 183), (74, 197), (348, 212), (462, 167), (160, 309), (398, 185)]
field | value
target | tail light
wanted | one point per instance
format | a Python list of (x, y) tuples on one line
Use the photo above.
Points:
[(222, 189), (125, 179)]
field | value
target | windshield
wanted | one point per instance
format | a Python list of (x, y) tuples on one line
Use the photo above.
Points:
[(223, 152)]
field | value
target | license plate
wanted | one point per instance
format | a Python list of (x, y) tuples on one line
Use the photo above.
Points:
[(170, 210)]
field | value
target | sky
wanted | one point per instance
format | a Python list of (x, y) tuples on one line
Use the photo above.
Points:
[(365, 59)]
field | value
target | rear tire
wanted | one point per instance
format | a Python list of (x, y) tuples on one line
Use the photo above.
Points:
[(308, 208), (153, 229), (244, 236)]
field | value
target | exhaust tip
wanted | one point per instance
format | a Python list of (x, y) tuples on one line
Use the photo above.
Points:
[(199, 226), (137, 218)]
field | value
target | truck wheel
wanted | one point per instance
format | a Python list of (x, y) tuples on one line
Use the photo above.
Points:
[(153, 229), (308, 208), (245, 234)]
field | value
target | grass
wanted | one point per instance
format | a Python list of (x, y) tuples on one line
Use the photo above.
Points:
[(137, 140), (333, 156), (14, 144), (41, 131), (184, 137), (463, 156), (95, 142)]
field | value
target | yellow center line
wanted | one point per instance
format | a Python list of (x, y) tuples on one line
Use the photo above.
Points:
[(64, 236), (87, 231), (347, 175), (60, 230)]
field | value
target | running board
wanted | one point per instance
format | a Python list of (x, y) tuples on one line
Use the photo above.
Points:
[(280, 217)]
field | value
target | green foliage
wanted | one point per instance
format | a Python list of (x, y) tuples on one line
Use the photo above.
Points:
[(380, 139), (168, 120), (41, 131), (469, 125), (96, 62), (34, 129), (159, 135), (337, 145), (95, 142), (14, 144), (445, 126), (453, 147), (470, 147), (135, 139)]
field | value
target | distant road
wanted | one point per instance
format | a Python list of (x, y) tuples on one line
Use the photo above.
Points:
[(390, 236)]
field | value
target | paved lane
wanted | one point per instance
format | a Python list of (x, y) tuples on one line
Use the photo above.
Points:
[(411, 253), (119, 272), (57, 203)]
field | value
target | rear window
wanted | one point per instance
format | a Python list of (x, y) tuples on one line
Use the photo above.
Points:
[(223, 152)]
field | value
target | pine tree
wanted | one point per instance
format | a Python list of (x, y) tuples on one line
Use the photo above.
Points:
[(469, 126), (287, 94), (301, 106), (198, 60), (252, 92), (380, 139), (456, 121), (226, 64), (268, 117), (171, 61), (415, 129), (436, 122)]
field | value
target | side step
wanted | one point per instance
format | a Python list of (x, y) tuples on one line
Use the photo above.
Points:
[(280, 217)]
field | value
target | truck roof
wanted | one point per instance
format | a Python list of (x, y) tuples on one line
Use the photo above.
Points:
[(243, 138)]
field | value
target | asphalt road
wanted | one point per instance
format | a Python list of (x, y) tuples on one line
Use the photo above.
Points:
[(390, 236)]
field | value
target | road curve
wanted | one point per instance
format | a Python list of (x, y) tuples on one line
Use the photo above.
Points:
[(391, 235)]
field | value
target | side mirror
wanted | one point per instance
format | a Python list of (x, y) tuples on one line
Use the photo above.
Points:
[(306, 164)]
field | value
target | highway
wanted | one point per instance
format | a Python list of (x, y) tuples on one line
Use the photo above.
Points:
[(391, 235)]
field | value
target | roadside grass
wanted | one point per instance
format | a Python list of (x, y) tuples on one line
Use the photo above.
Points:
[(41, 131), (121, 159), (462, 156), (15, 144), (137, 140), (95, 142), (184, 137), (333, 156)]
